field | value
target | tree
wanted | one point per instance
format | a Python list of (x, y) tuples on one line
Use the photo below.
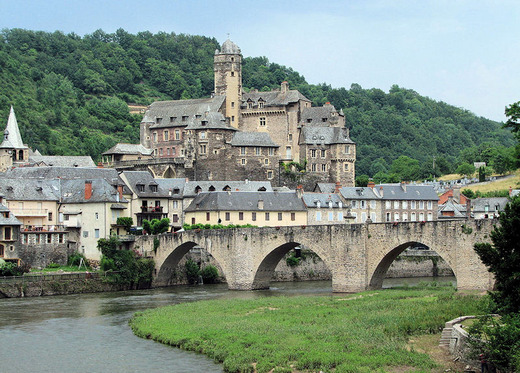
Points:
[(126, 222), (362, 180), (513, 118), (407, 168), (465, 169), (503, 258), (156, 226)]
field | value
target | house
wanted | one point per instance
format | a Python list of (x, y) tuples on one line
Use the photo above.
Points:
[(9, 234), (263, 209), (326, 208), (488, 208), (403, 202), (364, 203)]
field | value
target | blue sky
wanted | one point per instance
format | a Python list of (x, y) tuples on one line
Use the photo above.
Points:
[(465, 53)]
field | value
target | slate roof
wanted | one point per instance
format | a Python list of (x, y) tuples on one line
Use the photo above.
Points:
[(173, 185), (479, 204), (413, 192), (109, 174), (246, 201), (243, 186), (260, 139), (311, 200), (209, 120), (14, 139), (11, 220), (123, 148), (30, 189), (63, 161), (273, 98), (136, 178), (325, 187), (314, 116), (181, 108), (451, 206), (358, 193), (73, 191), (314, 135), (228, 47)]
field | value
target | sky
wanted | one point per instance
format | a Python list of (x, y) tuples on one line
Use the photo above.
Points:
[(463, 52)]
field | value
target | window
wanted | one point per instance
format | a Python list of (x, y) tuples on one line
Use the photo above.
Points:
[(405, 216), (323, 120), (412, 204), (232, 118), (421, 216), (202, 135), (396, 204), (354, 204), (363, 217), (153, 188), (280, 215), (362, 204), (172, 119), (260, 104), (97, 215), (267, 216), (323, 153), (177, 134), (347, 149), (313, 167), (345, 167), (184, 118), (331, 216), (372, 204), (243, 150), (293, 216), (160, 152), (288, 152), (228, 217), (66, 217), (388, 204), (60, 238), (258, 151), (232, 73), (140, 187), (340, 216), (405, 204), (313, 153), (241, 216), (269, 174), (266, 161), (324, 167), (167, 151), (166, 136), (290, 137), (158, 120), (49, 216), (271, 151), (208, 216), (396, 216), (96, 233), (430, 216), (412, 217), (203, 148), (243, 161), (175, 218), (253, 216), (388, 218), (430, 205), (154, 137), (262, 122), (25, 241), (85, 234), (421, 205), (7, 233), (232, 104), (249, 105)]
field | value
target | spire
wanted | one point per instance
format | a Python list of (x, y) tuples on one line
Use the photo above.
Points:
[(15, 139)]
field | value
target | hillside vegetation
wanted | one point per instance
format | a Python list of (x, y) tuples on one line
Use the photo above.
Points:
[(70, 95)]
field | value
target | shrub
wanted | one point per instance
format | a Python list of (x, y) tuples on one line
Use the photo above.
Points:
[(53, 265), (127, 222), (192, 271), (75, 260), (210, 274)]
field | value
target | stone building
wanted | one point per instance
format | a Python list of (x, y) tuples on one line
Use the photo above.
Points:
[(236, 135), (13, 152)]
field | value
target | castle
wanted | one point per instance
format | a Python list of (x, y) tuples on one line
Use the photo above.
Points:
[(237, 135)]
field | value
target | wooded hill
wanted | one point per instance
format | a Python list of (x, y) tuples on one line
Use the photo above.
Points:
[(70, 94)]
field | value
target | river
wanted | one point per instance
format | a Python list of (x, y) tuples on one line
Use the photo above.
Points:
[(90, 332)]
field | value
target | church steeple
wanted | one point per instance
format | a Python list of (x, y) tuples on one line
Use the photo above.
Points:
[(228, 79), (12, 148)]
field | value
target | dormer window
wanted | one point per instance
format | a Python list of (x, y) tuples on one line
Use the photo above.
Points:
[(204, 122), (140, 187), (184, 118), (158, 120), (227, 188), (172, 119), (198, 116), (324, 119), (249, 104), (261, 103), (309, 120), (153, 188), (211, 188), (198, 189), (318, 204), (176, 191)]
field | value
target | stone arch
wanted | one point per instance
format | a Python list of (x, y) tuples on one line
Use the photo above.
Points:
[(264, 272), (170, 264), (169, 173), (377, 277)]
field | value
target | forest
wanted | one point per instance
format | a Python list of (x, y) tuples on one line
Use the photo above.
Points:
[(71, 95)]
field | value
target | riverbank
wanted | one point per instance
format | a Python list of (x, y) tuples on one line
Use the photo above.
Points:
[(362, 332)]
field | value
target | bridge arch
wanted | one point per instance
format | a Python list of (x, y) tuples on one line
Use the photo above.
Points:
[(171, 261), (378, 275)]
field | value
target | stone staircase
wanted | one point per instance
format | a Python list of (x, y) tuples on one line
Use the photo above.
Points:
[(446, 336)]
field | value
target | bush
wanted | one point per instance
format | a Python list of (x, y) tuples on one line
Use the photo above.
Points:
[(192, 271), (75, 260), (11, 269), (210, 274), (53, 265), (127, 222)]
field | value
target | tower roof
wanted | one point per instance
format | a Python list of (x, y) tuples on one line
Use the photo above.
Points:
[(13, 138), (228, 47)]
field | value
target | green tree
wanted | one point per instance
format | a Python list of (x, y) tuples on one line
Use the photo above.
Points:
[(407, 168), (465, 169), (362, 180), (126, 222), (503, 258)]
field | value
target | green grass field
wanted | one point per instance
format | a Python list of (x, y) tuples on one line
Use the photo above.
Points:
[(364, 332)]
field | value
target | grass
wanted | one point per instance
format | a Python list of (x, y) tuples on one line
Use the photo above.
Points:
[(365, 332), (62, 268), (513, 182)]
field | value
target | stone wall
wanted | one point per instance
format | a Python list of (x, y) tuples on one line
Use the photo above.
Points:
[(418, 266), (41, 255), (35, 286)]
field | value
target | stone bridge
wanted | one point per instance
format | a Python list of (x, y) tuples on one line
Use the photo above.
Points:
[(358, 255)]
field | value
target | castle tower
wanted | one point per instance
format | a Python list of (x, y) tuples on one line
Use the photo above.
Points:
[(228, 79), (12, 149)]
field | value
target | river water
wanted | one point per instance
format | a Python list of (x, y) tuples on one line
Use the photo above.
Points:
[(90, 332)]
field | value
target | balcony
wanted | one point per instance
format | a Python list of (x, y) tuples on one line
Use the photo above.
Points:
[(43, 228), (151, 209)]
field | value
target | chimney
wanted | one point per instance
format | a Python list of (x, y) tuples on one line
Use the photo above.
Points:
[(371, 184), (456, 194), (403, 186), (338, 187), (381, 190), (299, 191), (284, 86), (468, 208), (327, 103), (88, 189), (260, 204), (120, 192)]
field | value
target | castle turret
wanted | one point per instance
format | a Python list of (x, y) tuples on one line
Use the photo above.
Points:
[(228, 79)]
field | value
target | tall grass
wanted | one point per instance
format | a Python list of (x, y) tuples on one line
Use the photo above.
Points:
[(364, 332)]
